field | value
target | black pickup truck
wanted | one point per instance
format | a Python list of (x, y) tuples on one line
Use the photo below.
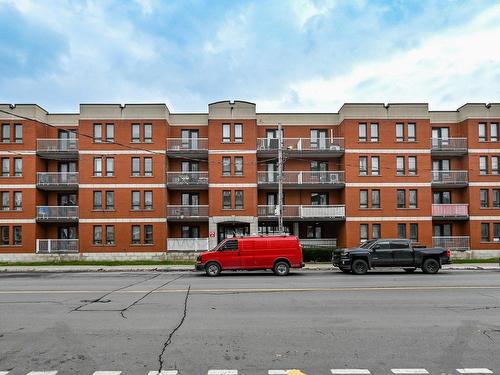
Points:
[(390, 253)]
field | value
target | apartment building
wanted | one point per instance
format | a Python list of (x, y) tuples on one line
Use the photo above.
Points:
[(137, 179)]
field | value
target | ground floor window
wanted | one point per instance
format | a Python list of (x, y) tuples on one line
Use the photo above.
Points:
[(190, 231)]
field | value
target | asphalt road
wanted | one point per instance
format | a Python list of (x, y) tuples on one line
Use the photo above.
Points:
[(315, 321)]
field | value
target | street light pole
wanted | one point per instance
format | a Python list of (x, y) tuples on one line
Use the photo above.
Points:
[(280, 180)]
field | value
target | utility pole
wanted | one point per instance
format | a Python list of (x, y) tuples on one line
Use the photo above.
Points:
[(280, 180)]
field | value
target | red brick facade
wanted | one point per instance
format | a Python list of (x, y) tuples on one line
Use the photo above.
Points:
[(136, 178)]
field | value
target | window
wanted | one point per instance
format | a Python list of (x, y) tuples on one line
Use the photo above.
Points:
[(148, 133), (400, 133), (375, 166), (363, 166), (18, 167), (18, 235), (110, 167), (148, 234), (362, 136), (4, 233), (5, 167), (374, 132), (18, 200), (98, 167), (412, 133), (494, 165), (375, 198), (226, 199), (5, 201), (412, 165), (496, 198), (148, 167), (136, 200), (483, 198), (5, 133), (482, 132), (226, 133), (226, 166), (363, 232), (238, 165), (485, 232), (319, 199), (110, 133), (376, 231), (363, 199), (413, 198), (136, 167), (238, 133), (230, 245), (136, 234), (496, 232), (110, 200), (136, 133), (400, 165), (401, 230), (483, 165), (414, 232), (401, 199), (148, 200), (97, 200), (18, 133), (188, 231), (493, 132), (97, 234), (97, 133), (110, 234), (238, 199)]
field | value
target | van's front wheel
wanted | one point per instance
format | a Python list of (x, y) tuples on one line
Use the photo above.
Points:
[(281, 268), (212, 269)]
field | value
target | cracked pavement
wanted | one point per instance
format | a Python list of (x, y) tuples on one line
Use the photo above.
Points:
[(78, 323)]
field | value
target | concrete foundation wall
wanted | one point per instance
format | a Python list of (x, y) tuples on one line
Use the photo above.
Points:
[(171, 255)]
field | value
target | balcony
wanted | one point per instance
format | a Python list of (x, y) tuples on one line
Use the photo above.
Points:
[(187, 147), (57, 148), (455, 243), (450, 211), (449, 179), (302, 180), (308, 243), (56, 214), (331, 147), (449, 146), (57, 246), (304, 212), (187, 244), (187, 180), (56, 181), (188, 213)]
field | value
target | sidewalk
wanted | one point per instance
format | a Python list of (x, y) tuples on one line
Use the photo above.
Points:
[(186, 268)]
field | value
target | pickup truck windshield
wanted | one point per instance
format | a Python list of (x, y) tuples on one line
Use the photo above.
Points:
[(367, 244)]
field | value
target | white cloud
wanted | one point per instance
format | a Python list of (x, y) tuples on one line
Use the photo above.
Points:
[(147, 6), (459, 65), (304, 10)]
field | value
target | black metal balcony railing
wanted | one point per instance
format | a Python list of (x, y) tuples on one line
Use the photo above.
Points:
[(450, 177), (302, 177), (57, 213), (191, 211), (301, 144), (57, 179), (187, 144), (449, 145)]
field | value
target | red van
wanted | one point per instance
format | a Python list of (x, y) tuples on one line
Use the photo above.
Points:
[(277, 253)]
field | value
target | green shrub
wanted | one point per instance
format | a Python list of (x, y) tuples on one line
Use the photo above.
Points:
[(319, 254)]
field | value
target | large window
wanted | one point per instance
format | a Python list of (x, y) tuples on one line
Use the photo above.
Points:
[(5, 167), (98, 167), (483, 198), (363, 199), (148, 234), (148, 200), (375, 198), (136, 234), (496, 198), (363, 232), (18, 167), (226, 133), (485, 232), (401, 230), (362, 132), (400, 166), (136, 133), (4, 235), (238, 133), (136, 167), (136, 200), (18, 235), (97, 234), (375, 165), (401, 199), (148, 133), (483, 165), (18, 133), (414, 232), (482, 132), (110, 234), (238, 165), (5, 133), (97, 133), (412, 132), (110, 200), (363, 166), (412, 165), (148, 167), (97, 200), (413, 200), (226, 166), (493, 132), (110, 167)]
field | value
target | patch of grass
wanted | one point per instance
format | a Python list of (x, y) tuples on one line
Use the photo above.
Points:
[(103, 263), (487, 260)]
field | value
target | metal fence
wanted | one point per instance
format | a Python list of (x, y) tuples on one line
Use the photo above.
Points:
[(450, 210), (56, 246), (449, 177), (57, 145), (449, 144), (187, 178), (187, 211), (303, 211), (57, 178), (302, 177), (187, 244), (56, 212), (457, 243), (187, 144)]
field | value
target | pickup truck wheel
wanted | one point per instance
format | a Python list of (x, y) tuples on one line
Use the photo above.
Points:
[(212, 269), (409, 270), (359, 267), (430, 266), (281, 268)]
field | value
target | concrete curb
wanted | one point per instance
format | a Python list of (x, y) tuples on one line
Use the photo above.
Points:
[(183, 268)]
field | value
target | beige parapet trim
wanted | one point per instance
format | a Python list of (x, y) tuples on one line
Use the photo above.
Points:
[(324, 119), (126, 112), (238, 110), (188, 119)]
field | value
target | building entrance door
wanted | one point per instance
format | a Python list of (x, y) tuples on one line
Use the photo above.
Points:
[(229, 230)]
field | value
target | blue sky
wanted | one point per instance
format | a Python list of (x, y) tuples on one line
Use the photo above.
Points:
[(294, 56)]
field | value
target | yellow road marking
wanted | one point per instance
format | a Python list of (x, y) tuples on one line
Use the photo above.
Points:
[(258, 290)]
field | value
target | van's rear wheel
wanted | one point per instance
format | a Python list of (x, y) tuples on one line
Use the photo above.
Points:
[(212, 269), (430, 266), (359, 267), (281, 268)]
